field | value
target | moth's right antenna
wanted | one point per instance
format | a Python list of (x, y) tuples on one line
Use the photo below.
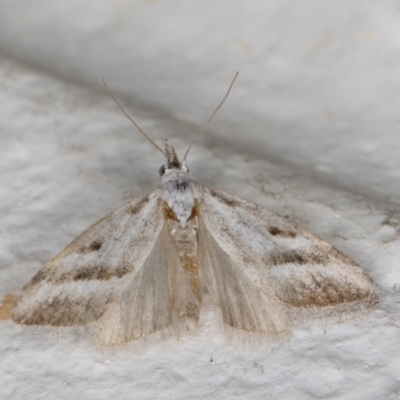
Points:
[(131, 119), (209, 120)]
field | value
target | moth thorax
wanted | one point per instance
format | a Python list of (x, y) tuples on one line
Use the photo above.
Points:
[(179, 196)]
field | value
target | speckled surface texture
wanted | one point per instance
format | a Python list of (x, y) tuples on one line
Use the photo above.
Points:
[(310, 131)]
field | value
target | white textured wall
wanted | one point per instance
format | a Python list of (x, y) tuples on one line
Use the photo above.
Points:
[(309, 130)]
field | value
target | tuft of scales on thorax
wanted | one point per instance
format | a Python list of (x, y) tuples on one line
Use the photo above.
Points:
[(179, 195)]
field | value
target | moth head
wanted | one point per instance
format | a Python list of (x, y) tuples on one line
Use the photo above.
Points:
[(172, 163)]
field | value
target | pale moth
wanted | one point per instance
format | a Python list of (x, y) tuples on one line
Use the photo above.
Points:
[(148, 266)]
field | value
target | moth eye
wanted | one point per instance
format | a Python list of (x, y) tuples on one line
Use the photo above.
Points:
[(161, 171)]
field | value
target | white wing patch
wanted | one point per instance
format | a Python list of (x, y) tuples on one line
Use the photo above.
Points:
[(265, 269), (91, 274)]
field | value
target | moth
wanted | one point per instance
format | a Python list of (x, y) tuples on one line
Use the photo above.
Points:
[(148, 266)]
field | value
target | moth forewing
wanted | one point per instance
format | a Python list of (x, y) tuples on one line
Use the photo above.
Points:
[(302, 271), (91, 274)]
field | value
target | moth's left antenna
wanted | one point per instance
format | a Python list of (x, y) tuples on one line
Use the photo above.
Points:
[(131, 119), (209, 119)]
